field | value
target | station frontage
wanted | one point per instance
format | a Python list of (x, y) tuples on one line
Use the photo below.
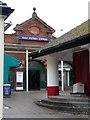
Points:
[(29, 36), (39, 52), (73, 46)]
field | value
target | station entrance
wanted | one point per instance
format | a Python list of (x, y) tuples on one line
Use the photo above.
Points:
[(67, 74), (36, 76), (34, 80)]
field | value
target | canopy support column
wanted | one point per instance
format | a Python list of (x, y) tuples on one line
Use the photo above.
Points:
[(27, 70), (62, 79), (1, 64), (52, 76), (68, 78)]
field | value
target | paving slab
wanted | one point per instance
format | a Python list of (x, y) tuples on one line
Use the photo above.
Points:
[(21, 105)]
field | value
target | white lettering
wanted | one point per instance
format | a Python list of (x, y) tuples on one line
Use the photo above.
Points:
[(33, 38)]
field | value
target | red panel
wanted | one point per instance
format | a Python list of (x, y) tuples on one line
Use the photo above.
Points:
[(53, 90), (84, 66), (88, 88), (76, 65), (81, 69)]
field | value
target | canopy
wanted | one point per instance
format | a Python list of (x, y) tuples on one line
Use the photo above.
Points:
[(9, 62)]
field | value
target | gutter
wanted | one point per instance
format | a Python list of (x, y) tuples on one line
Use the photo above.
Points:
[(21, 46), (85, 39)]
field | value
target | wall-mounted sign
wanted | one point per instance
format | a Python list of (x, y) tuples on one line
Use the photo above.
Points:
[(33, 38)]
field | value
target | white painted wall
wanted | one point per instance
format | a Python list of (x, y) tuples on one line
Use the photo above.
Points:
[(1, 64)]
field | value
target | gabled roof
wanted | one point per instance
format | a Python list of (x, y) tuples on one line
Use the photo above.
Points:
[(76, 37), (34, 16)]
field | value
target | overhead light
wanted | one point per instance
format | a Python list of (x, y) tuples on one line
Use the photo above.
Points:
[(7, 25)]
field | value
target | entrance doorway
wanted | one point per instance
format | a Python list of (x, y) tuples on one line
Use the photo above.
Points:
[(11, 78), (34, 80), (36, 76), (67, 68)]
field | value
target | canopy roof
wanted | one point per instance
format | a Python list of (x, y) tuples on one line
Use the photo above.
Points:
[(5, 10), (9, 62), (76, 37)]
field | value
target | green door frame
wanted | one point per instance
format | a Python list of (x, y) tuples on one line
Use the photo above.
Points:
[(24, 84)]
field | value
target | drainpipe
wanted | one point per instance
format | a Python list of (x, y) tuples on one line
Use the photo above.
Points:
[(27, 70)]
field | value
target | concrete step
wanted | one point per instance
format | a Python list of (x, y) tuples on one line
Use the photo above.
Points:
[(67, 103), (69, 98), (76, 105), (69, 109)]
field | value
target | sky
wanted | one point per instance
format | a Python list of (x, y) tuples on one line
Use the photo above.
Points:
[(62, 15)]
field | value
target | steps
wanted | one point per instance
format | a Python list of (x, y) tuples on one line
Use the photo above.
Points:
[(69, 104)]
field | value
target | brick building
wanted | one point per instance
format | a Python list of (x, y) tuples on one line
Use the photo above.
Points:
[(30, 35)]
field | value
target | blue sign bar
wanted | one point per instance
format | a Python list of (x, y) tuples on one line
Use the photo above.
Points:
[(33, 38)]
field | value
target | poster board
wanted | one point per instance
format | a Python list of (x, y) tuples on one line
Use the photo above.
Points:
[(19, 80), (19, 77)]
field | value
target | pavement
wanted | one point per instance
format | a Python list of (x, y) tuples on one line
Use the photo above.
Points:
[(21, 105)]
